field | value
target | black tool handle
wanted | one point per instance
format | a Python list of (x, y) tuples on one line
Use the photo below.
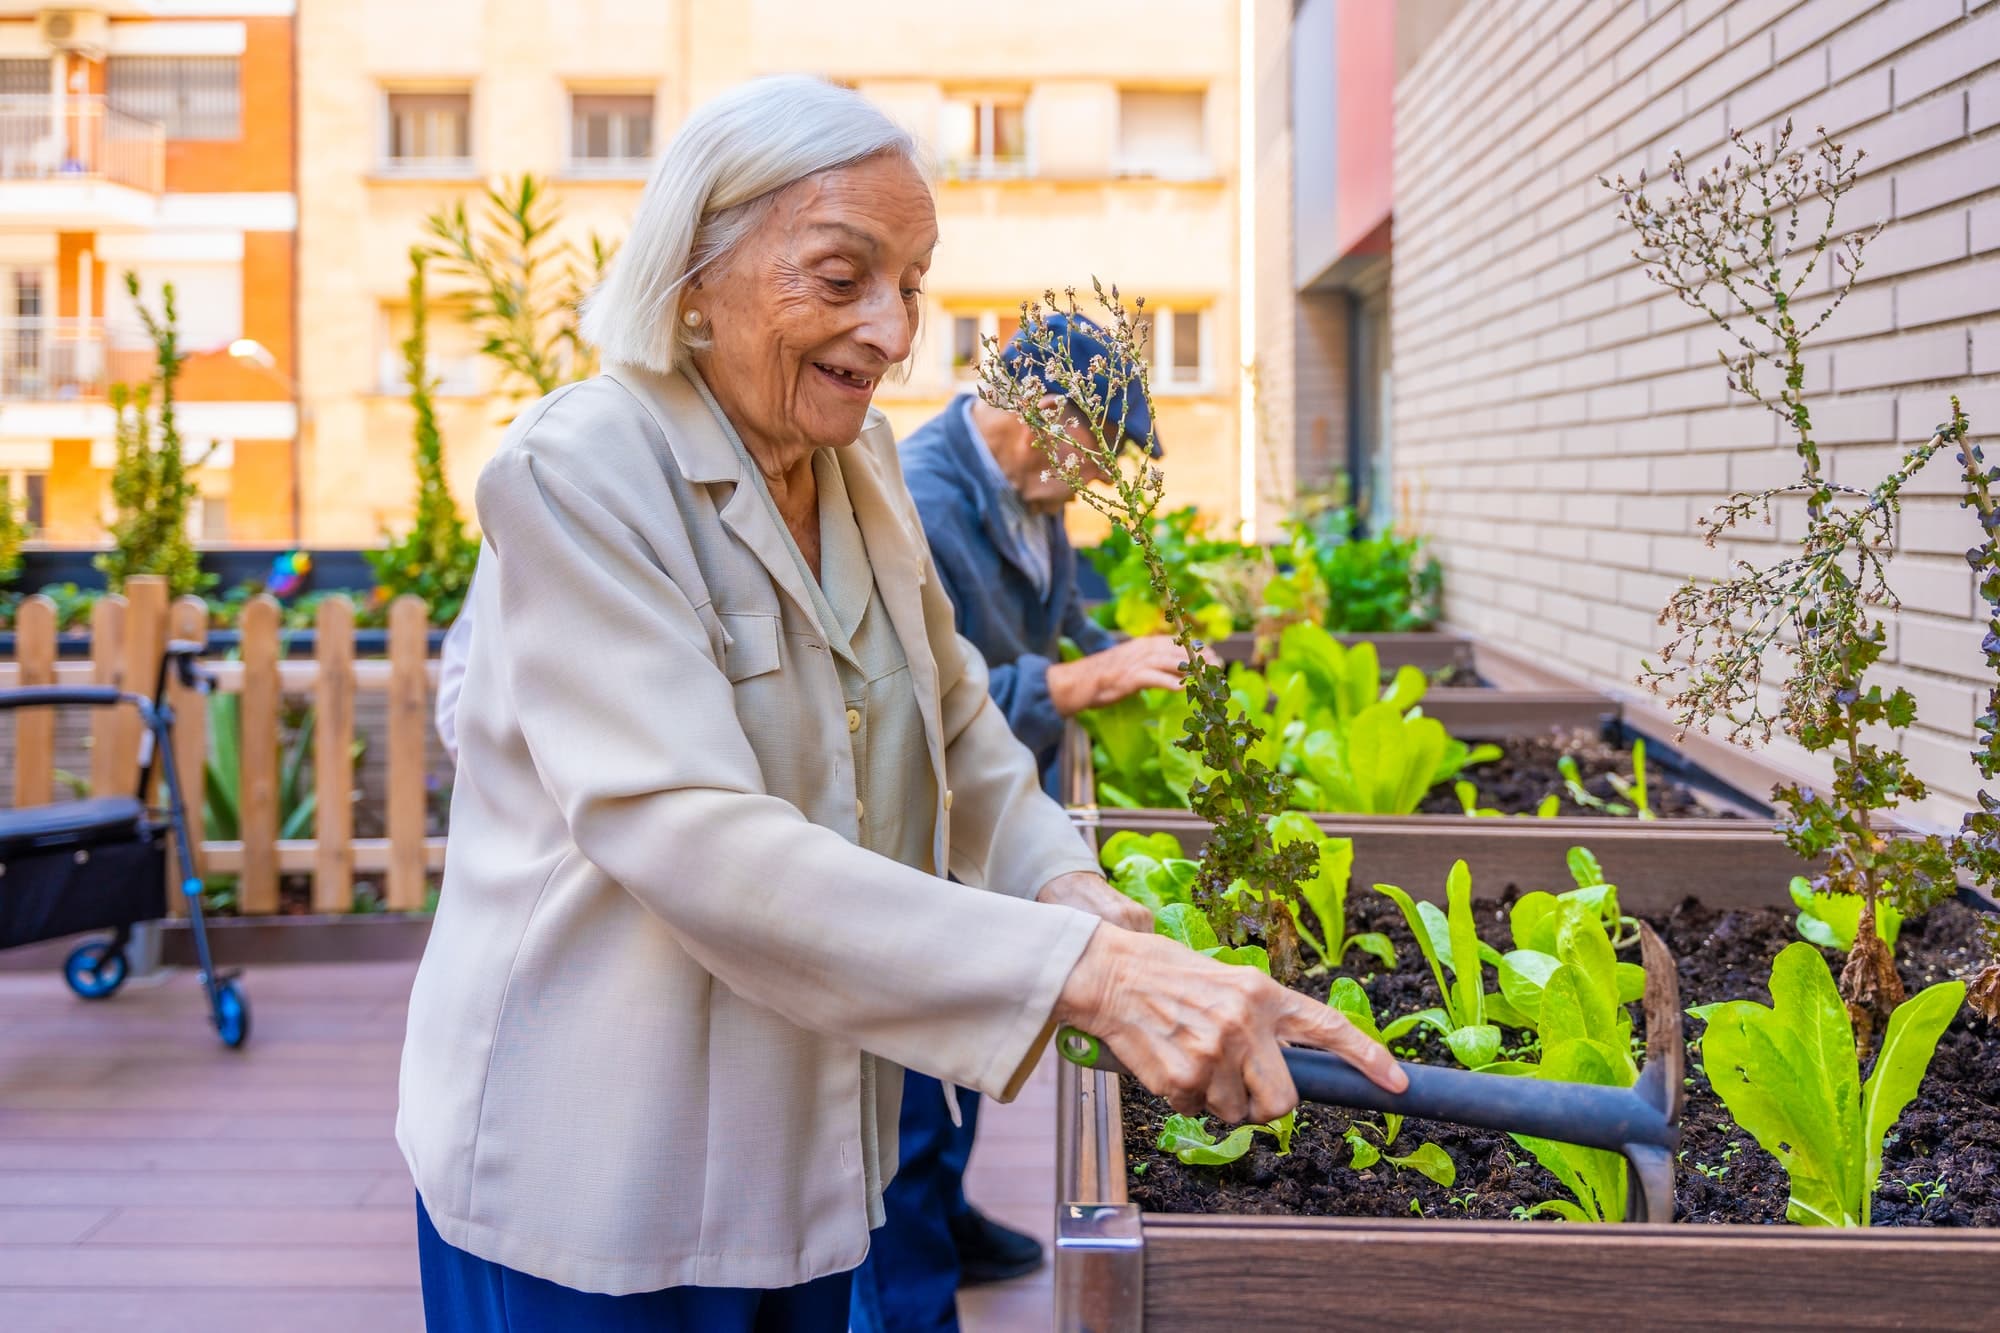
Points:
[(1580, 1113)]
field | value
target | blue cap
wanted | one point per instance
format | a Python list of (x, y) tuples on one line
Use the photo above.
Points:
[(1085, 342)]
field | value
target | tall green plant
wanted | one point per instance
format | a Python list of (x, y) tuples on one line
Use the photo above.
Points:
[(524, 282), (1745, 244), (436, 557), (1243, 792), (13, 533), (1976, 848), (152, 492)]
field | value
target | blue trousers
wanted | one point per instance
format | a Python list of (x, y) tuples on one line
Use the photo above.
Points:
[(909, 1282), (467, 1294)]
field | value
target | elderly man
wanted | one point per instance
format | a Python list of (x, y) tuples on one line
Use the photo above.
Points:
[(993, 521)]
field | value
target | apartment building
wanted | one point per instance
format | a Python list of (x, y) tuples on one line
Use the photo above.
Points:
[(152, 137), (1565, 422), (1071, 142)]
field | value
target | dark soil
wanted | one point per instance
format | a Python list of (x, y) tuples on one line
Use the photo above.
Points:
[(1516, 783), (1950, 1133)]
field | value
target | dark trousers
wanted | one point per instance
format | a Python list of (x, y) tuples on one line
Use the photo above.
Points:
[(909, 1282), (467, 1294)]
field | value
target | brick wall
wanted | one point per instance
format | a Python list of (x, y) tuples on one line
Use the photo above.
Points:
[(1562, 422)]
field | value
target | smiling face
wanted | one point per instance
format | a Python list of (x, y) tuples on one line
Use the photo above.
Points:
[(812, 308)]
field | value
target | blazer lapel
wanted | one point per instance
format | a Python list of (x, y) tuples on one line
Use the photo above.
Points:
[(897, 556), (703, 453)]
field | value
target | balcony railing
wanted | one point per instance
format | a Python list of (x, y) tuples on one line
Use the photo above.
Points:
[(79, 138), (52, 360)]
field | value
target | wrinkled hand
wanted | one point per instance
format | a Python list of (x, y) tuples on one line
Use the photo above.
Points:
[(1089, 893), (1205, 1035), (1102, 679)]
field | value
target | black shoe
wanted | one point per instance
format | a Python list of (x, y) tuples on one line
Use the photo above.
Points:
[(989, 1252)]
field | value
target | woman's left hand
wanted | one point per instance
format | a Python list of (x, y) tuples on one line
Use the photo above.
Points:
[(1089, 893)]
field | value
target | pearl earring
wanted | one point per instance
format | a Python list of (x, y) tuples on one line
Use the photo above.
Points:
[(692, 319)]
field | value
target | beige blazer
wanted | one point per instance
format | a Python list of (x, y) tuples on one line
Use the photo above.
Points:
[(635, 1040)]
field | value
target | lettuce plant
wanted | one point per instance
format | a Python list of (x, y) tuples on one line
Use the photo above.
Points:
[(1325, 894), (1975, 850), (1790, 1074), (1634, 791), (1450, 943), (1586, 1037), (1830, 919), (1149, 868), (1188, 1138), (1427, 1159)]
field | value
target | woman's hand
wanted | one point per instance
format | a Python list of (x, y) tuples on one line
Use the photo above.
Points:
[(1203, 1034), (1089, 893)]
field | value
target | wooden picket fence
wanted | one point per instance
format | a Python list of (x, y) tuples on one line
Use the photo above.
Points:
[(129, 634)]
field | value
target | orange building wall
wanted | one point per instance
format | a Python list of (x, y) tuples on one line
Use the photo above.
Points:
[(262, 158), (69, 246), (72, 505), (260, 492), (215, 376)]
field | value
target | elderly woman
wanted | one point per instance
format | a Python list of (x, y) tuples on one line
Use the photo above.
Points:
[(719, 750)]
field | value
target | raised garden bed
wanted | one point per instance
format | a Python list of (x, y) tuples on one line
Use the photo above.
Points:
[(1427, 650), (1169, 1248)]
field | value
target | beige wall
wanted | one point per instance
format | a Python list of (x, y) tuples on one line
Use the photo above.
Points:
[(1565, 423), (1003, 240)]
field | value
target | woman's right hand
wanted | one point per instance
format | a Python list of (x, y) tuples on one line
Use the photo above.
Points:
[(1204, 1034)]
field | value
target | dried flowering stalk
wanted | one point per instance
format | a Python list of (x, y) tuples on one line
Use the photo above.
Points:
[(1976, 849), (1245, 879), (1731, 244)]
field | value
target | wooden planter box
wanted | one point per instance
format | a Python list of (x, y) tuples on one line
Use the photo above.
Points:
[(1121, 1270)]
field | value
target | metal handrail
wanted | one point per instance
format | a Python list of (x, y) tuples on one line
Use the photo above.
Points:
[(80, 137)]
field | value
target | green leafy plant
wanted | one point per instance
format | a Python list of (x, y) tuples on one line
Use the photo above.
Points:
[(1468, 799), (1149, 868), (436, 557), (1586, 1037), (1637, 801), (1188, 1138), (14, 533), (1830, 919), (1427, 1159), (1324, 892), (1450, 944), (1236, 793), (151, 490), (1189, 925), (524, 282), (1741, 245), (1790, 1074), (1379, 584)]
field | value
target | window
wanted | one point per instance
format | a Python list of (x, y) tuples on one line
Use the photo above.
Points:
[(27, 492), (208, 298), (610, 130), (1176, 347), (193, 97), (985, 136), (211, 519), (1162, 134), (451, 357), (24, 78), (969, 331), (430, 130)]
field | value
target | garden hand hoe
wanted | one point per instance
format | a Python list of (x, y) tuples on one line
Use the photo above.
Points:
[(1641, 1123)]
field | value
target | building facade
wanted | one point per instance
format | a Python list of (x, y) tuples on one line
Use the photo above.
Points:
[(1563, 423), (1071, 142), (155, 138)]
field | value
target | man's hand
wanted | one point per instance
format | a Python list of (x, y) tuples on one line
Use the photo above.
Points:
[(1089, 893), (1151, 663)]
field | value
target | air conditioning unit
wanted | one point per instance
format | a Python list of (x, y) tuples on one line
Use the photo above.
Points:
[(86, 32)]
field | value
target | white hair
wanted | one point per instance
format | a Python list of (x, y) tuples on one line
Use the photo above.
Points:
[(710, 189)]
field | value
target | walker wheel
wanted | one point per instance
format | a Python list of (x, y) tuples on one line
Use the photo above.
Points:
[(232, 1015), (95, 970)]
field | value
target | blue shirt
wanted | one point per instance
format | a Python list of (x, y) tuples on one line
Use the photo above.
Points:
[(1016, 620)]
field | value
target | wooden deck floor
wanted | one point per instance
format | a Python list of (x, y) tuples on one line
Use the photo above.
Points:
[(150, 1179)]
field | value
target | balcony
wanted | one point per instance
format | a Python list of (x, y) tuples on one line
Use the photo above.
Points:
[(75, 162), (52, 360)]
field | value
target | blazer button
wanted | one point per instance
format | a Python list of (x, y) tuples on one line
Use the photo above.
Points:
[(853, 719), (947, 800), (860, 810)]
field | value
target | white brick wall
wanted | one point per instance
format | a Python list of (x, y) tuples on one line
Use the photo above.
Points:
[(1562, 422)]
